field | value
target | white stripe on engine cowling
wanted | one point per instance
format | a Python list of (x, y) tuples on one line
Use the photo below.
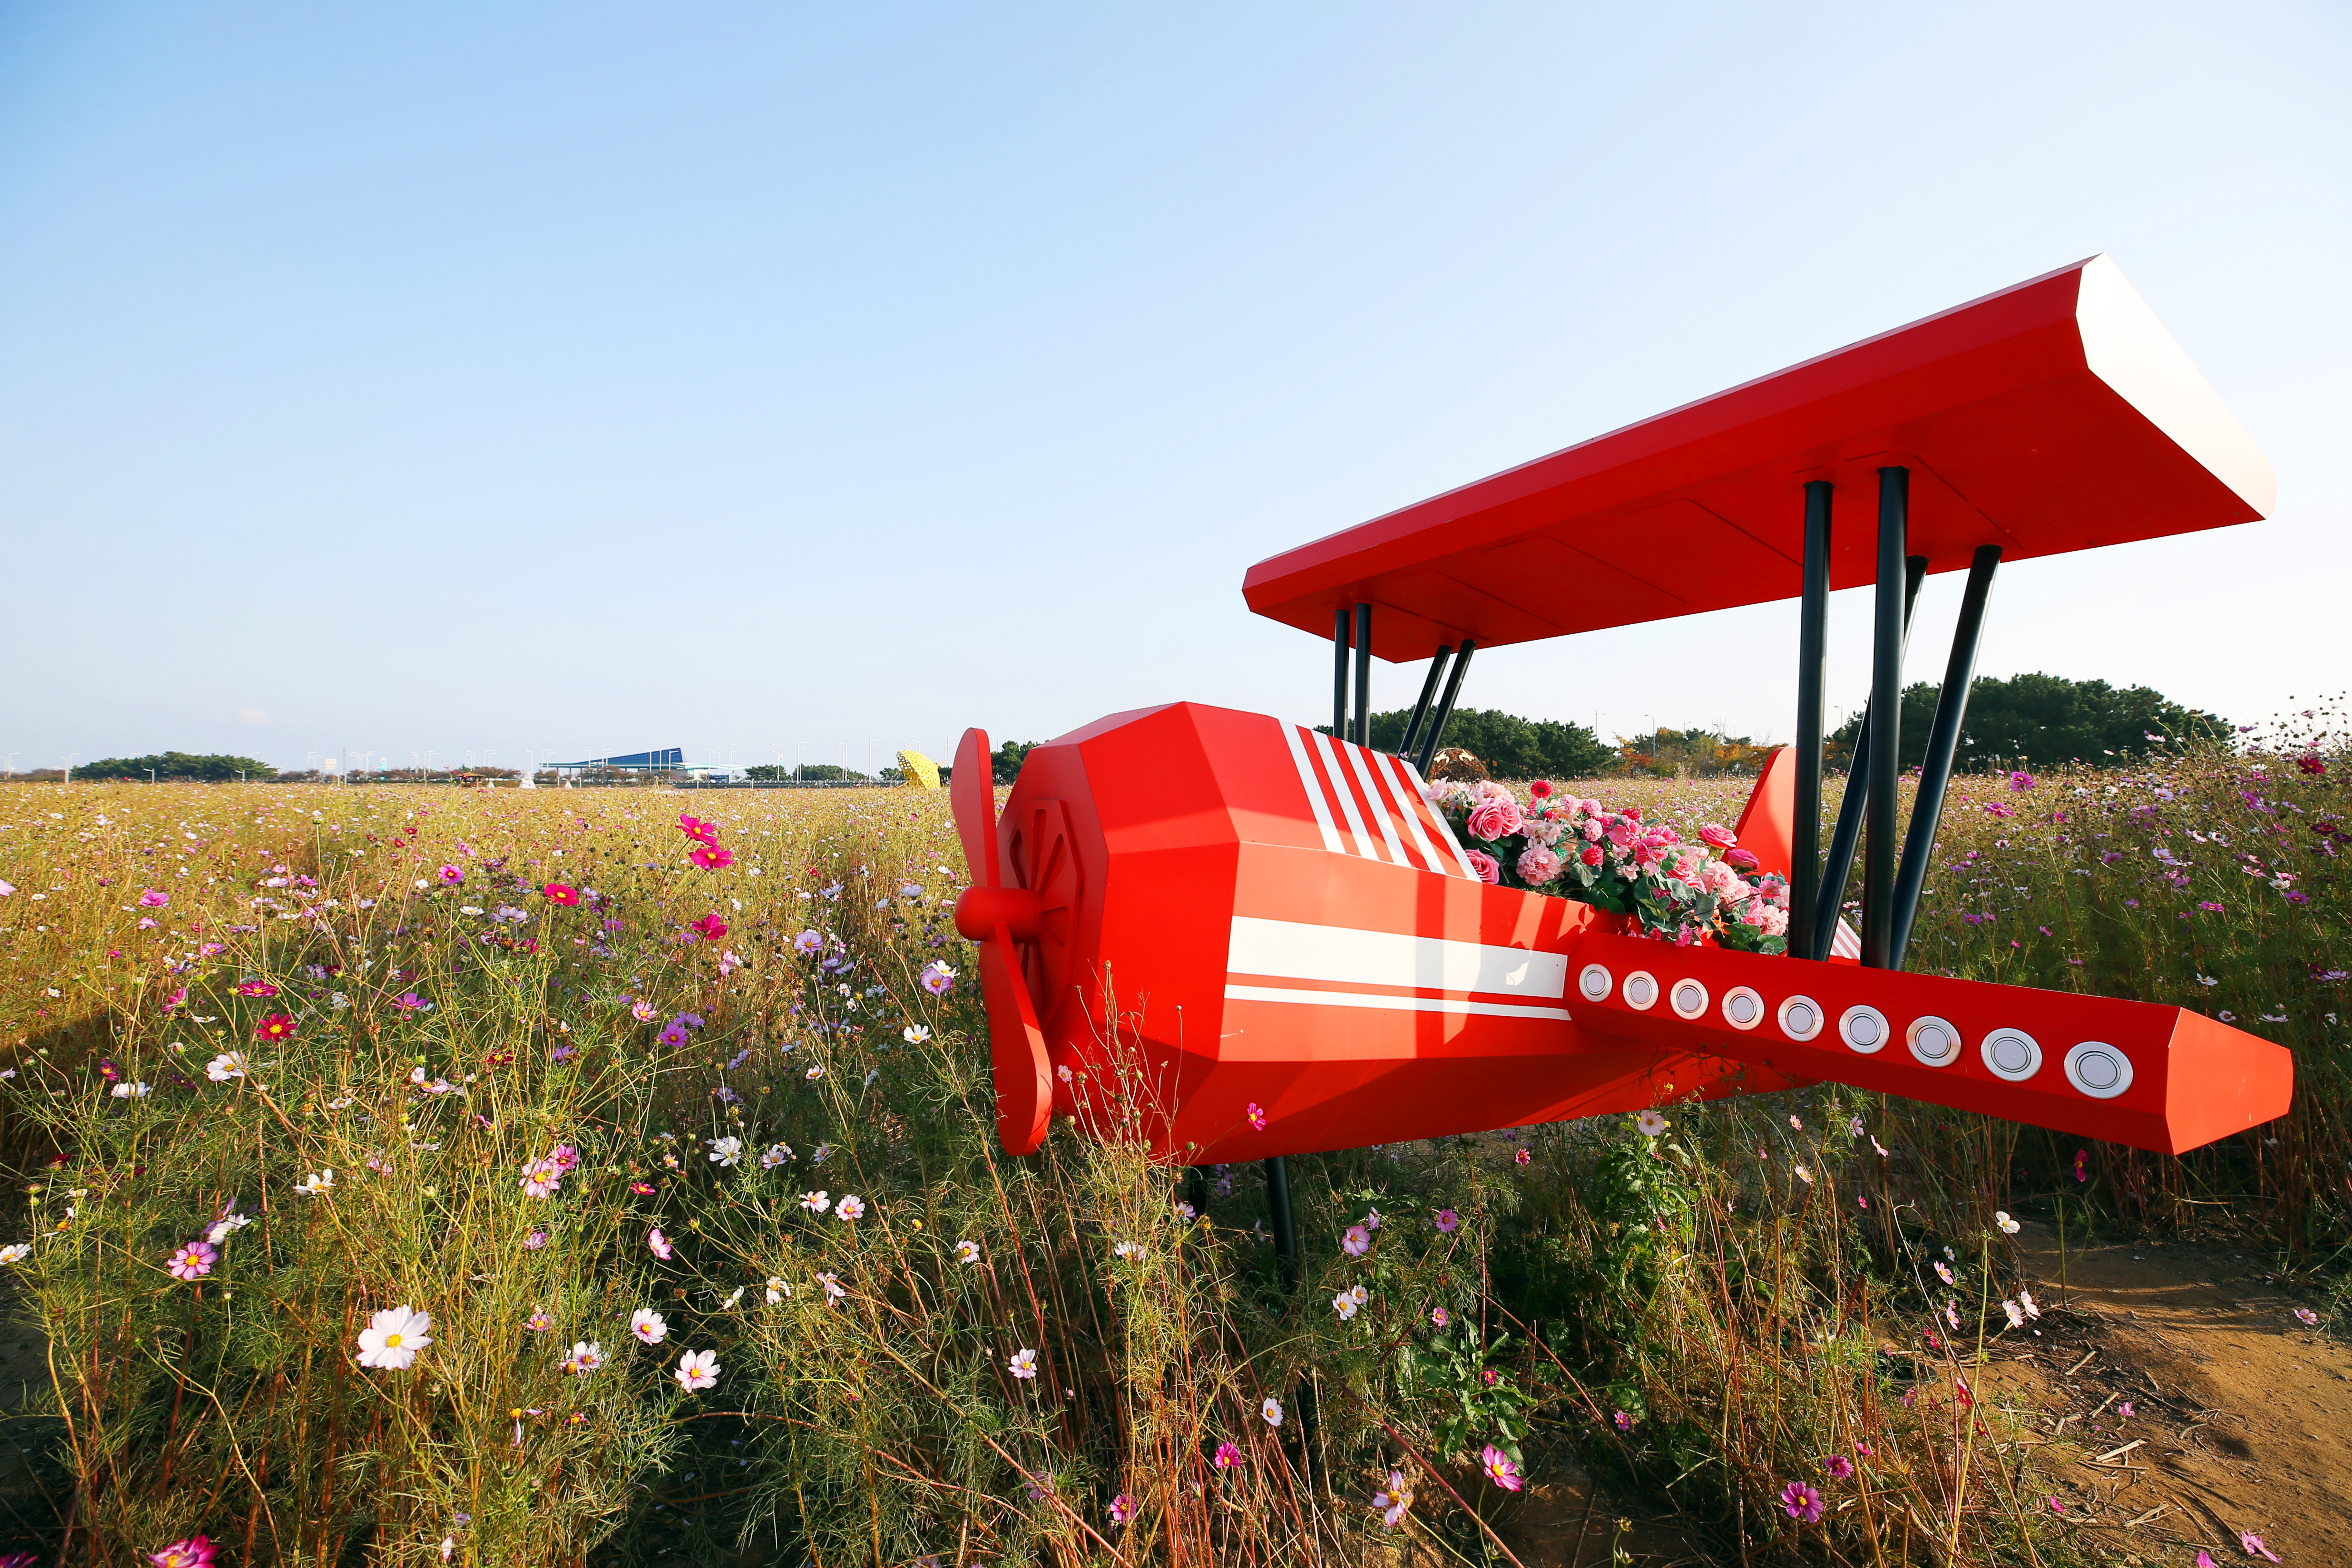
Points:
[(1293, 950), (1346, 798), (1314, 789), (1423, 811), (1375, 802)]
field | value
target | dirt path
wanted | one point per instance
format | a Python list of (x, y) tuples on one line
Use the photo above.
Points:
[(2242, 1416)]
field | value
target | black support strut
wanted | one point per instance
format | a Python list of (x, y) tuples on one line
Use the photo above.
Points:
[(1363, 736), (1339, 674), (1847, 837), (1943, 747), (1428, 691), (1286, 1227), (1436, 736), (1889, 622), (1812, 676)]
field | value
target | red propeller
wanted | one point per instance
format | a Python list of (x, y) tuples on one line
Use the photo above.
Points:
[(997, 918)]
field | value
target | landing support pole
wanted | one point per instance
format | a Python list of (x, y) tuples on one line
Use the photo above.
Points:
[(1428, 690), (1339, 674), (1431, 742), (1943, 746), (1888, 624), (1286, 1227), (1812, 676), (1839, 864), (1363, 674)]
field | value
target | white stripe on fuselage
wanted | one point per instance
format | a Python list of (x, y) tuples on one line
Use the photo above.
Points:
[(1293, 950)]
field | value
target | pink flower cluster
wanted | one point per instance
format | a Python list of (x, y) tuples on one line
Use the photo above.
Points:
[(1680, 890), (706, 853), (540, 1178)]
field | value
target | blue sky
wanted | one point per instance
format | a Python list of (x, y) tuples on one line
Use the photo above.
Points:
[(768, 380)]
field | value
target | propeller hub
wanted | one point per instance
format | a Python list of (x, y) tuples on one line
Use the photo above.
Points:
[(978, 910)]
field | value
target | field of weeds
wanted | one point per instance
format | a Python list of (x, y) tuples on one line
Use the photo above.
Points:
[(408, 1176)]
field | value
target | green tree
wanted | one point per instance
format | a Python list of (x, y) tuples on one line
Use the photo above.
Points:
[(1005, 764), (2040, 721), (213, 767), (1510, 746)]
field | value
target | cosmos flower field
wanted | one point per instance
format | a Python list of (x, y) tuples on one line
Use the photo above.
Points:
[(409, 1175)]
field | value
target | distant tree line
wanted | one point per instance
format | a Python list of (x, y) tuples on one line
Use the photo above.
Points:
[(212, 767), (2040, 721), (1510, 746)]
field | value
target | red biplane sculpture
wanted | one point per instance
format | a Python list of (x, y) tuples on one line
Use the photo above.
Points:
[(1295, 945)]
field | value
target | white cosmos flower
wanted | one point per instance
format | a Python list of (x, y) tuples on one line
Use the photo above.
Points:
[(392, 1338), (851, 1207), (15, 1252), (226, 1065), (777, 1289), (817, 1201), (2008, 1226), (1344, 1303), (648, 1326), (226, 1226), (1023, 1364), (777, 1153), (967, 1252), (1651, 1123), (914, 1033), (316, 1184), (727, 1152), (586, 1357), (697, 1370), (131, 1090), (1272, 1411)]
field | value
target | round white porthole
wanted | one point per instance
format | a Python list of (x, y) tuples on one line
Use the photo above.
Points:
[(1800, 1018), (2012, 1054), (1688, 999), (1934, 1041), (1640, 991), (1742, 1008), (1863, 1028), (2098, 1070), (1595, 983)]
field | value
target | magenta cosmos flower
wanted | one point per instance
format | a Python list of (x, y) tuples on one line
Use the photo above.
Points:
[(1802, 1502), (1839, 1467), (1500, 1468), (451, 876), (710, 857), (195, 1551), (561, 893), (1122, 1508), (1227, 1455), (193, 1261), (1448, 1221), (660, 1244), (1256, 1115), (153, 899)]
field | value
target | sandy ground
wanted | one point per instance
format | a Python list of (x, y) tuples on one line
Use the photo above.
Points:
[(2242, 1416)]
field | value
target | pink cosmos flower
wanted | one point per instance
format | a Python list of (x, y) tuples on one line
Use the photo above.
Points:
[(1256, 1116), (1122, 1508), (1521, 1158), (710, 928), (711, 858), (410, 1002), (695, 828), (1440, 1316), (1839, 1465), (1488, 868), (660, 1244), (195, 1551), (193, 1261), (1625, 1420), (540, 1178), (1802, 1502), (535, 1241), (1356, 1242), (1500, 1468), (559, 893), (1538, 865), (256, 988), (153, 899), (1448, 1221), (1227, 1455), (451, 876), (2253, 1545), (1496, 816), (277, 1026)]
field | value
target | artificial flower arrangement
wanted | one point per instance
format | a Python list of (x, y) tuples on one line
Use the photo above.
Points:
[(1675, 891)]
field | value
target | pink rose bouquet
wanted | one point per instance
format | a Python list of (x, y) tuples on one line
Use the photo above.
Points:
[(1674, 889)]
